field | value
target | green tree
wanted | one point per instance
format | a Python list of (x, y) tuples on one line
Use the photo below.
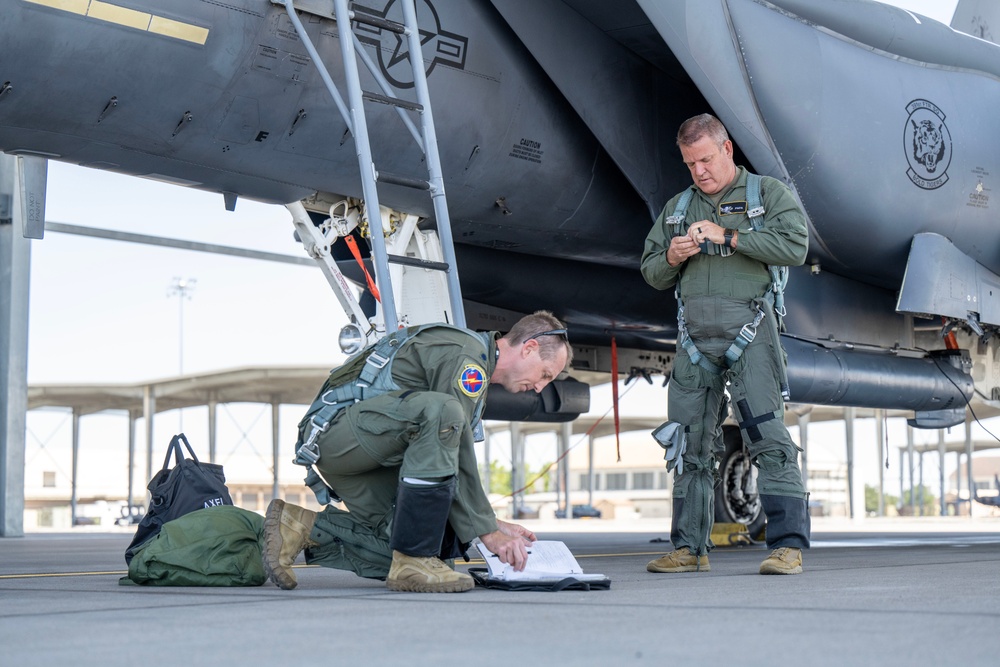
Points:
[(499, 479), (871, 499), (930, 501), (542, 477)]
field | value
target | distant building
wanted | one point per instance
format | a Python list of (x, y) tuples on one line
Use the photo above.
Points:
[(640, 486), (985, 470)]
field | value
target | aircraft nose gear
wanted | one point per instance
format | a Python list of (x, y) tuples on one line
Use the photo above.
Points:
[(736, 498)]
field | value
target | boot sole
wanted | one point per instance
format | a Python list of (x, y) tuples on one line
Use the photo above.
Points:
[(682, 568), (444, 587), (773, 570), (272, 548)]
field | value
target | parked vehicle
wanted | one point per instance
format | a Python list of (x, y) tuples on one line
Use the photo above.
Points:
[(581, 512)]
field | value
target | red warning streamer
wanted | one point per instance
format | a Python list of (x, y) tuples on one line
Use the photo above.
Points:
[(950, 341), (353, 245)]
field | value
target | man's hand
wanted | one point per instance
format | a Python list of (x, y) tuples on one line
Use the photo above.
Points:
[(510, 543), (703, 230), (514, 530), (683, 247)]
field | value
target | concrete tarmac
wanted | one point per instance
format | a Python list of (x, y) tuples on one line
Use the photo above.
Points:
[(886, 592)]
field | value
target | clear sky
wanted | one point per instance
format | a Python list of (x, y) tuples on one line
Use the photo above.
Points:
[(100, 310)]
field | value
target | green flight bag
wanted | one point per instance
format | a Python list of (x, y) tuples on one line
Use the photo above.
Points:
[(216, 546)]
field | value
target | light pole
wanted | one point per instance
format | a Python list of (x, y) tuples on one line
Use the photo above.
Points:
[(182, 288)]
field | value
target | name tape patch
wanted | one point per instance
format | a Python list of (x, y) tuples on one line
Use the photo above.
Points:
[(732, 207)]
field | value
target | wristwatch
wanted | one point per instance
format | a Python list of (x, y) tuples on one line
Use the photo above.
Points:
[(729, 238)]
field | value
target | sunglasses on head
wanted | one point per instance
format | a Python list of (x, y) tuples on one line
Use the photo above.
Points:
[(552, 332)]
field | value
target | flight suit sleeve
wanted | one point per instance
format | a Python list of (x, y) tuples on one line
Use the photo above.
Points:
[(471, 513), (784, 238), (654, 266)]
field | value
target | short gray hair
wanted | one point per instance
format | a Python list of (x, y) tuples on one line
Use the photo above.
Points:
[(704, 125)]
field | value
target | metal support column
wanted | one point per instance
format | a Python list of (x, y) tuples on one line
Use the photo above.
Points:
[(565, 434), (15, 278), (148, 411), (968, 461), (132, 415), (74, 474), (275, 439), (921, 500), (902, 468), (487, 467), (213, 414), (856, 508), (958, 483), (803, 421), (909, 453), (516, 468), (941, 452), (590, 469), (880, 446)]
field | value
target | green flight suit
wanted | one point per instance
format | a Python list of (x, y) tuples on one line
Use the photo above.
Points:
[(721, 294), (423, 430)]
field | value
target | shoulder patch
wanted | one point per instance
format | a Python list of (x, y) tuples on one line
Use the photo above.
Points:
[(472, 380)]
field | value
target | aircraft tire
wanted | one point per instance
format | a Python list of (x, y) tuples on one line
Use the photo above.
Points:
[(736, 497)]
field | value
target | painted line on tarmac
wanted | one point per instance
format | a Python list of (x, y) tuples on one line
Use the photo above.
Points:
[(42, 575)]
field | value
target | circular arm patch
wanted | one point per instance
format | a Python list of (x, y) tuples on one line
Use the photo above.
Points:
[(472, 380)]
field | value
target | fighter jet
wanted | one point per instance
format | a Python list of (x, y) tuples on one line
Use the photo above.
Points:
[(555, 136)]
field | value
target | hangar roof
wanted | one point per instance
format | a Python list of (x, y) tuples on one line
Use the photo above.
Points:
[(280, 384)]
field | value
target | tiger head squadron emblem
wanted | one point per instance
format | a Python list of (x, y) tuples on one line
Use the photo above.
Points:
[(928, 145)]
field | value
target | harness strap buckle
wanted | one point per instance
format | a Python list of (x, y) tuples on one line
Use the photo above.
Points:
[(378, 360), (747, 333), (749, 330), (307, 454), (756, 212)]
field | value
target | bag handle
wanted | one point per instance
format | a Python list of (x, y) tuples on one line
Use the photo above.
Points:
[(175, 448)]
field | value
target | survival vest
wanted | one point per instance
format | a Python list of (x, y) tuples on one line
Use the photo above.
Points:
[(365, 375), (774, 295)]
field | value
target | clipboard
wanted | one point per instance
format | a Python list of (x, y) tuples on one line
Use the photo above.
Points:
[(551, 567)]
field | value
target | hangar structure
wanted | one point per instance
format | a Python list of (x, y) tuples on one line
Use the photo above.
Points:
[(275, 386), (297, 385)]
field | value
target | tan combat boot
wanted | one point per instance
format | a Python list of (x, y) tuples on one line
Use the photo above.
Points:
[(783, 560), (286, 534), (425, 575), (681, 560)]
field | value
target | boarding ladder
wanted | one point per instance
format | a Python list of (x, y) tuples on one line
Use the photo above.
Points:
[(435, 253)]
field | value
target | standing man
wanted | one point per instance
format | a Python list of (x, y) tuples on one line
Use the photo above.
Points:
[(392, 434), (720, 243)]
